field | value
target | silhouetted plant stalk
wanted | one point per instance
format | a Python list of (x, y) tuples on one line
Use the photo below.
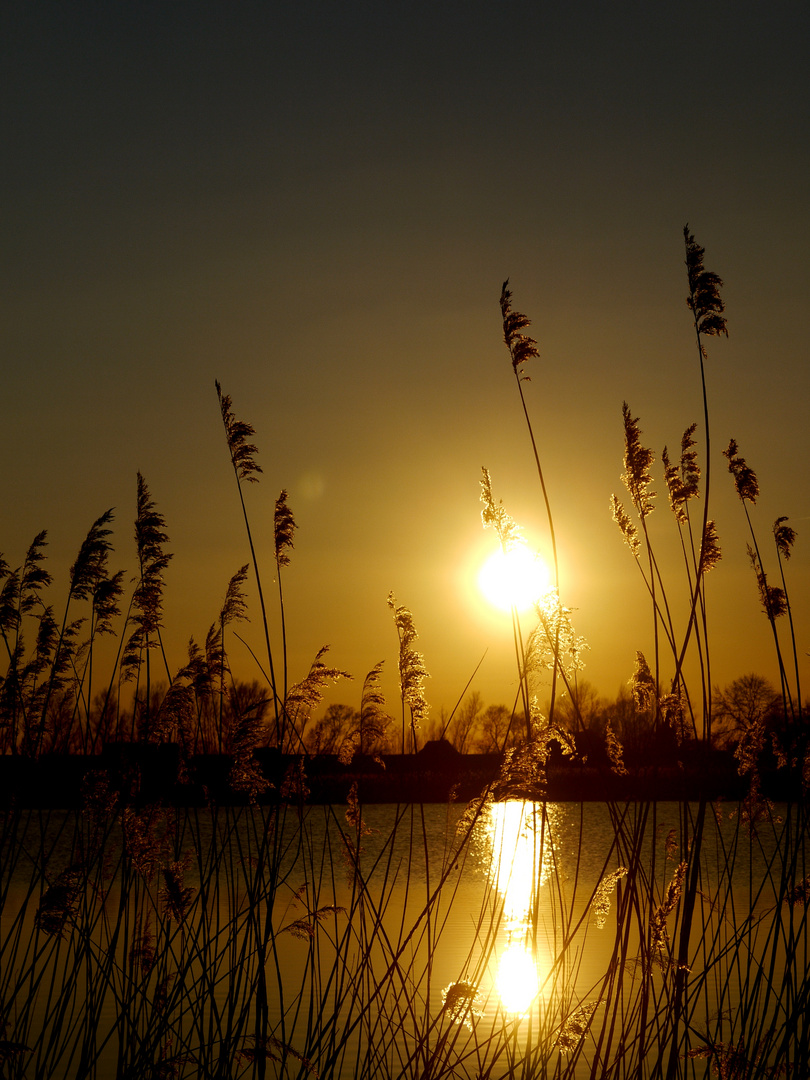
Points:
[(706, 305), (146, 609), (523, 348), (412, 675), (774, 599), (245, 467)]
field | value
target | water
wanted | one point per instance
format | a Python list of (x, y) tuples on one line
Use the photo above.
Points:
[(410, 943)]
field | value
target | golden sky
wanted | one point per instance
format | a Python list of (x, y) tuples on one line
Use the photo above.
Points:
[(317, 204)]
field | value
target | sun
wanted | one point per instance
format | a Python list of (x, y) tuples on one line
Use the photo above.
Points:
[(514, 579)]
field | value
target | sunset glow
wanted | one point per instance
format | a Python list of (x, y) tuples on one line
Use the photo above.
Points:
[(514, 579)]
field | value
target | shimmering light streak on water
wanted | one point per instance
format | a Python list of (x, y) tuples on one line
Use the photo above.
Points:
[(521, 850)]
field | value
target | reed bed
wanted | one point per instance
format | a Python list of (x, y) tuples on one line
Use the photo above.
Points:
[(273, 937)]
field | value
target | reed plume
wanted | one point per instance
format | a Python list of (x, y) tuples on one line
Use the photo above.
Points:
[(373, 723), (147, 601), (745, 479), (523, 348), (704, 300), (710, 551), (412, 670), (283, 529), (682, 479), (638, 460), (90, 566), (628, 529), (304, 696), (175, 896), (462, 1002), (57, 908), (659, 939), (495, 516), (237, 432), (574, 1028), (772, 597), (600, 903), (34, 577), (245, 468)]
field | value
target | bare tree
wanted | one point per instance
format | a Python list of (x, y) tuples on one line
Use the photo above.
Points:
[(331, 731), (463, 725), (747, 703), (499, 729), (582, 709)]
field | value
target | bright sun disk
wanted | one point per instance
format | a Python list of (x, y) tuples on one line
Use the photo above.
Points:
[(516, 578)]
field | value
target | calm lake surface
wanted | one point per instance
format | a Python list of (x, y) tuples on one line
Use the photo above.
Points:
[(409, 943)]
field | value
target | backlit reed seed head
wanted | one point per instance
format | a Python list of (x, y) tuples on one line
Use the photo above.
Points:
[(283, 528), (638, 460), (147, 600), (601, 897), (799, 894), (745, 479), (374, 721), (784, 536), (671, 844), (628, 529), (462, 1002), (778, 752), (645, 694), (58, 906), (9, 611), (554, 642), (574, 1028), (303, 697), (690, 470), (175, 897), (749, 748), (105, 602), (521, 347), (237, 433), (412, 670), (234, 607), (673, 712), (269, 1048), (773, 599), (494, 516), (33, 578), (615, 751), (353, 815), (682, 479), (658, 923), (305, 928), (99, 799), (294, 786), (142, 950), (704, 300), (145, 840), (523, 770), (710, 552), (90, 566)]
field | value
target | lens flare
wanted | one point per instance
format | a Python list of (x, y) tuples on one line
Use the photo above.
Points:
[(514, 579)]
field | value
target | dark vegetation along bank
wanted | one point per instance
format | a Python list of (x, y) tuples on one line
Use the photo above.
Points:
[(139, 774)]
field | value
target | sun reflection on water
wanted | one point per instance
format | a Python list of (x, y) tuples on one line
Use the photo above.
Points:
[(520, 851)]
